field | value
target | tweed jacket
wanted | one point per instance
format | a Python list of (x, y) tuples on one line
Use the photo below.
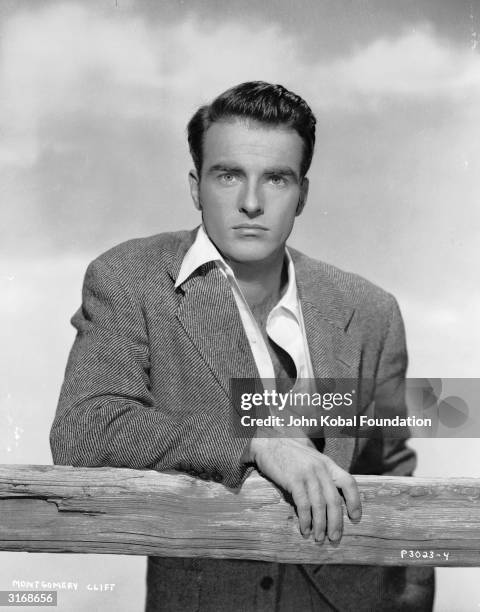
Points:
[(147, 382)]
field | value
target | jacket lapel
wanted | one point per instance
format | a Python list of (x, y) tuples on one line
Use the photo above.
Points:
[(334, 353), (209, 316)]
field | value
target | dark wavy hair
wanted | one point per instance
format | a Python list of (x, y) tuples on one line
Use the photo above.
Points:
[(258, 101)]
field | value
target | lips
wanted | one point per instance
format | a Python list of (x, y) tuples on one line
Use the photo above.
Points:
[(250, 226)]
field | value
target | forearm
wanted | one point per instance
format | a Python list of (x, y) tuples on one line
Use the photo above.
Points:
[(120, 433), (107, 413)]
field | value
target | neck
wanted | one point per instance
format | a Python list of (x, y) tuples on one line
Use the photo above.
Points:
[(263, 281)]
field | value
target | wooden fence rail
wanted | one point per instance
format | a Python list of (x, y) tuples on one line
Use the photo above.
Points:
[(429, 521)]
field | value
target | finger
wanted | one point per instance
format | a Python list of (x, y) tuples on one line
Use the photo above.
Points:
[(317, 501), (347, 483), (302, 504), (334, 511)]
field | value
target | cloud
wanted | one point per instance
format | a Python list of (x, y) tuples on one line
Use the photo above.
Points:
[(442, 337), (69, 60), (416, 64), (63, 60), (72, 59)]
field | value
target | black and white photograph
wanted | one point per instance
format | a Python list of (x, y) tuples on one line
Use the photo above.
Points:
[(239, 280)]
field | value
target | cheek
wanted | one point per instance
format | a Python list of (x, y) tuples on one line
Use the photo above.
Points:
[(217, 206), (286, 214), (214, 213), (287, 224)]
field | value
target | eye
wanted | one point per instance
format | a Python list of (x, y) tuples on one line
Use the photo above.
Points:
[(277, 180), (228, 178)]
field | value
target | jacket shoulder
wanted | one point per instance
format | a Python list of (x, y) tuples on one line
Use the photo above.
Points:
[(347, 288), (159, 247), (149, 257), (142, 263)]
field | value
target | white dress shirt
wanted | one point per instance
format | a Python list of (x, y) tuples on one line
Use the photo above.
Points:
[(285, 325)]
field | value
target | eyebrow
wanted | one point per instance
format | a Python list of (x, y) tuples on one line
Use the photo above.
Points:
[(225, 168), (281, 170)]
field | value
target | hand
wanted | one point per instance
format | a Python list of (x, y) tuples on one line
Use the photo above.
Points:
[(312, 479)]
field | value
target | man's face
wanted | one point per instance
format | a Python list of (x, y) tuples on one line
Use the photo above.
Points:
[(250, 189)]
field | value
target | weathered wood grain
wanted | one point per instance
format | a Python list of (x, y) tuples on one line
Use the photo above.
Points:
[(142, 512)]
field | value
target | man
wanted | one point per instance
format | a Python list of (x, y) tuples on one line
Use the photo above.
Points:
[(168, 321)]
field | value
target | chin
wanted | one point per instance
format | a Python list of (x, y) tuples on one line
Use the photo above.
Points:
[(248, 253)]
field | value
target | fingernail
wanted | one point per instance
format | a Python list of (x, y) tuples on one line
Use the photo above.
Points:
[(336, 536), (319, 538), (356, 514)]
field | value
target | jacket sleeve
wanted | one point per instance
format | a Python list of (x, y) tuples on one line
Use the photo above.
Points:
[(384, 454), (107, 415)]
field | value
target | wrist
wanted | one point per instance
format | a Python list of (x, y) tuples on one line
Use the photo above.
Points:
[(248, 455)]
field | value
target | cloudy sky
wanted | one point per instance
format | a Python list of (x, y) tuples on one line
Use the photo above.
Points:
[(94, 99)]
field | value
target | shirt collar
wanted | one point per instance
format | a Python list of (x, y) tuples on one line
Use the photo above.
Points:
[(203, 251), (289, 299)]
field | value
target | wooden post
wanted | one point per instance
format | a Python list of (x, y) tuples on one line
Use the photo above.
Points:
[(406, 521)]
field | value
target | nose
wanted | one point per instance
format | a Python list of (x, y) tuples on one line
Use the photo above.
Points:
[(251, 202)]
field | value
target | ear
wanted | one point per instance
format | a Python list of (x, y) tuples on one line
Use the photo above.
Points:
[(194, 181), (303, 196)]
